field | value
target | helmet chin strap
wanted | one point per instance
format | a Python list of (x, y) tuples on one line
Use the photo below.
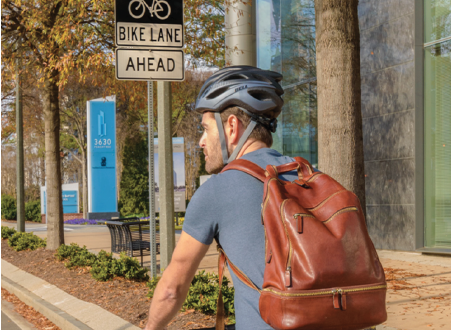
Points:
[(225, 154)]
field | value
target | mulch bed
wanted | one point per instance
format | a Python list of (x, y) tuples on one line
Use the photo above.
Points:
[(38, 320), (126, 299)]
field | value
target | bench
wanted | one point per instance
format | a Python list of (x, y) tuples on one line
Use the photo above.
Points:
[(132, 236)]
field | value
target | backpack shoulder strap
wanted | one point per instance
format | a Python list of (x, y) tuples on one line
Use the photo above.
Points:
[(220, 314), (247, 167)]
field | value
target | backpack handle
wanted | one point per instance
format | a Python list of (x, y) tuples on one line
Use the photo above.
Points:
[(301, 165)]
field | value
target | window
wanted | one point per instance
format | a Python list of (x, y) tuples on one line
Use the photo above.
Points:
[(286, 44), (437, 121)]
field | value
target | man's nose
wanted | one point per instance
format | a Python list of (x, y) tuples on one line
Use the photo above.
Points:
[(202, 141)]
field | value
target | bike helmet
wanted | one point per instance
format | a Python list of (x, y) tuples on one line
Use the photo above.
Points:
[(256, 92)]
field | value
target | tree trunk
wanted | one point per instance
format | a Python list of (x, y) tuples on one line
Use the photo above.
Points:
[(55, 225), (340, 141), (42, 176), (85, 185)]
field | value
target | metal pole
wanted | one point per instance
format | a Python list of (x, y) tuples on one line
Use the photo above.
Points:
[(153, 243), (19, 157), (167, 230)]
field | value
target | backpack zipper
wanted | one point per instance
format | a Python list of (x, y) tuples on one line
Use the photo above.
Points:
[(346, 209), (300, 224), (290, 252), (314, 176), (327, 199), (341, 293)]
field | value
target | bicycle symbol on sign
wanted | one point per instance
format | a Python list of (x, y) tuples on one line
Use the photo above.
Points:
[(157, 6)]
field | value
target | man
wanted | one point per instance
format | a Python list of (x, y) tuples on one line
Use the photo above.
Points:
[(239, 107)]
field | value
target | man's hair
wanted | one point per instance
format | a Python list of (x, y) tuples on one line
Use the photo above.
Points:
[(259, 133)]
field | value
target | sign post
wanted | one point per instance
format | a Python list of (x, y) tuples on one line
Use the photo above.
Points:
[(150, 38), (166, 192), (153, 238)]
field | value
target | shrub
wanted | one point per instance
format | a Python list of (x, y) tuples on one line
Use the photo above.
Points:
[(7, 232), (33, 211), (152, 284), (130, 268), (103, 266), (106, 267), (77, 256), (26, 241), (9, 207), (203, 293)]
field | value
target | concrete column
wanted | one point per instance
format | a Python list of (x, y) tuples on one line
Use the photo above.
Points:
[(241, 29), (166, 184), (20, 182)]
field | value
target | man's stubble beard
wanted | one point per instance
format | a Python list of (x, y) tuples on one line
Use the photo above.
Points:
[(215, 163)]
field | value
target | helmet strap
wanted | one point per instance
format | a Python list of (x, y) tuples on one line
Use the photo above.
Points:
[(240, 144), (225, 153)]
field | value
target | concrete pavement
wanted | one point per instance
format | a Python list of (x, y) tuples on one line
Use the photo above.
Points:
[(11, 320), (8, 324)]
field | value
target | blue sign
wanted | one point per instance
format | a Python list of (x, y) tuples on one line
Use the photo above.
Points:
[(102, 155), (70, 201)]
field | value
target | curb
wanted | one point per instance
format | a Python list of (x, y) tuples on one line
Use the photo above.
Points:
[(16, 318), (63, 309), (54, 314)]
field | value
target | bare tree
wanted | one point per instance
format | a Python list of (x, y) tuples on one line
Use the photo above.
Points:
[(74, 126)]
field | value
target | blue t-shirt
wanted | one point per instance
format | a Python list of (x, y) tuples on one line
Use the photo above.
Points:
[(227, 207)]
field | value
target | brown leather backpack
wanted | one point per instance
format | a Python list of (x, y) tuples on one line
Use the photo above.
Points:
[(322, 270)]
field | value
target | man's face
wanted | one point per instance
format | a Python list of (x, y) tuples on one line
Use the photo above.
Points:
[(211, 145)]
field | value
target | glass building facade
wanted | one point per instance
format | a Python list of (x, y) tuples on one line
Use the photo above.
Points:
[(286, 44), (437, 122)]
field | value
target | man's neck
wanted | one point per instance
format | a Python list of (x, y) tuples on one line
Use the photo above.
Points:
[(250, 146)]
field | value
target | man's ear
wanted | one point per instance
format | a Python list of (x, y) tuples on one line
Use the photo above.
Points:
[(233, 129)]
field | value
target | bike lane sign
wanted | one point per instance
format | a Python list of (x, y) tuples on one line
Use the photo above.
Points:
[(146, 64), (149, 23)]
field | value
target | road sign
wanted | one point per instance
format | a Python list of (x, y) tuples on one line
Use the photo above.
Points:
[(149, 23), (145, 64)]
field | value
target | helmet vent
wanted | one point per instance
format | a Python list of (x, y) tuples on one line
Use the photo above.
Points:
[(235, 77), (263, 78), (217, 92), (260, 96)]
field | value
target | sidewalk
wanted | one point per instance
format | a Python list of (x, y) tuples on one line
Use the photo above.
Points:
[(419, 294)]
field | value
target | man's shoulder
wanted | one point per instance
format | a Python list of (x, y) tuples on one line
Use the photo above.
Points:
[(267, 156)]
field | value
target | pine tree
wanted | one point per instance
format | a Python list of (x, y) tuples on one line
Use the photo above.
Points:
[(134, 193)]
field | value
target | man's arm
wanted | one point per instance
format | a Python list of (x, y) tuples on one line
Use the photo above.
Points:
[(173, 286)]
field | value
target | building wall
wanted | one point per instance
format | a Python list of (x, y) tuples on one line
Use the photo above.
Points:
[(388, 81)]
